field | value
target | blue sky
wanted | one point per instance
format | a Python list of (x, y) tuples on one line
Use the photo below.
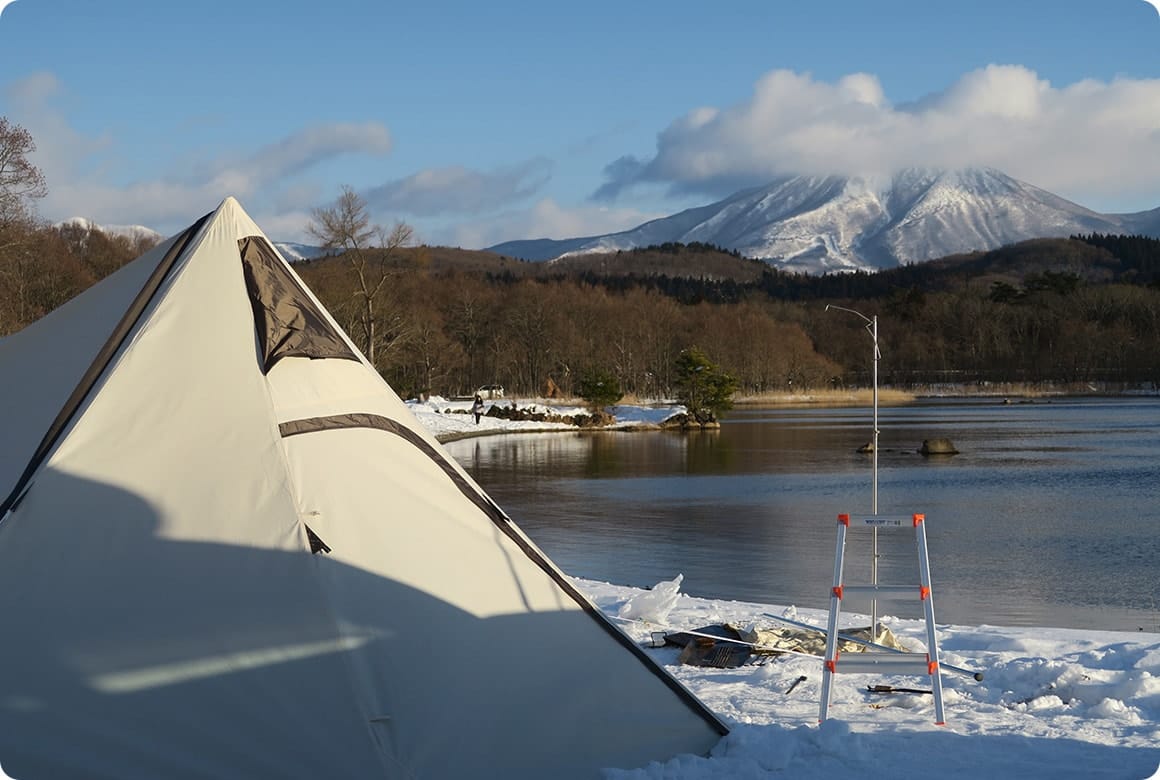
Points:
[(483, 122)]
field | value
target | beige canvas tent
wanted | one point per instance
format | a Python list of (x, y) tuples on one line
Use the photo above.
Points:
[(227, 550)]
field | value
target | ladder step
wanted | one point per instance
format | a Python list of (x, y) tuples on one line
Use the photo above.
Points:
[(884, 590), (882, 521), (884, 663)]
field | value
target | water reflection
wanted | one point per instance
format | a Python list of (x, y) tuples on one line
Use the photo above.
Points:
[(1049, 516)]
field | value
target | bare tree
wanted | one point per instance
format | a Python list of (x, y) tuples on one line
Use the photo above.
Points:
[(20, 181), (374, 255)]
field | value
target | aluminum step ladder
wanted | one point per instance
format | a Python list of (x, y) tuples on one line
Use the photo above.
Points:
[(882, 661)]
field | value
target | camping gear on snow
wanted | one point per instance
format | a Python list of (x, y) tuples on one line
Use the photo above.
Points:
[(727, 647), (893, 689), (813, 642), (801, 679), (227, 549), (858, 636), (717, 646)]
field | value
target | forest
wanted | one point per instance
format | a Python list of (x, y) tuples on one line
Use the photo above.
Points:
[(1078, 311), (1044, 312)]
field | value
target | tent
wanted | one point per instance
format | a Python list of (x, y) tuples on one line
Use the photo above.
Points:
[(228, 550)]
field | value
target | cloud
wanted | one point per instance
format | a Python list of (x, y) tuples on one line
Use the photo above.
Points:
[(302, 150), (78, 167), (59, 148), (85, 174), (34, 89), (283, 226), (459, 190), (266, 171), (1092, 137), (545, 219)]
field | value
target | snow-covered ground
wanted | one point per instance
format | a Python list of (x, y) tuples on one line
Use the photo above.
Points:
[(450, 419), (1053, 703)]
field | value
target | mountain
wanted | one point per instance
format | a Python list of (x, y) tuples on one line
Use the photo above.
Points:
[(135, 233), (138, 233), (294, 252), (832, 223), (1144, 223)]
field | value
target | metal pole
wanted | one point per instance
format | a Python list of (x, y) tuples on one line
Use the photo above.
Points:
[(874, 497), (872, 327)]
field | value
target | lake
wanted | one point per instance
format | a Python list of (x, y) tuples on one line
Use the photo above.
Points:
[(1048, 516)]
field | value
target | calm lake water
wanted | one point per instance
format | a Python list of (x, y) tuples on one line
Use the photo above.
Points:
[(1049, 516)]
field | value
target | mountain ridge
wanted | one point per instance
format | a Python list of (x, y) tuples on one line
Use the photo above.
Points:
[(818, 224)]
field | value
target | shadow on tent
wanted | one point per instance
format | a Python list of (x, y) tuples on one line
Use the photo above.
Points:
[(123, 648)]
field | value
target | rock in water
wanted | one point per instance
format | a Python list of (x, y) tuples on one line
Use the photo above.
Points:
[(938, 447)]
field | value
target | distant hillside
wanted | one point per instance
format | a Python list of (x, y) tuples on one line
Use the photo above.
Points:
[(442, 259), (1143, 223), (1016, 262), (1093, 260), (676, 260), (703, 272), (697, 261)]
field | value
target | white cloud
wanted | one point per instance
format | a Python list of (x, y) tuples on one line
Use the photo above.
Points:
[(1091, 138), (460, 190), (163, 201), (80, 169), (302, 150), (33, 89), (283, 226), (59, 148)]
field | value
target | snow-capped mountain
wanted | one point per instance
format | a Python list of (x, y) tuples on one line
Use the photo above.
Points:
[(292, 251), (132, 232), (818, 224)]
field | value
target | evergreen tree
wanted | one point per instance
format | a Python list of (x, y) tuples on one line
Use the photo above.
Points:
[(599, 389), (702, 386)]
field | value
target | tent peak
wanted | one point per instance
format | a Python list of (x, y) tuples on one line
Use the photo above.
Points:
[(230, 203)]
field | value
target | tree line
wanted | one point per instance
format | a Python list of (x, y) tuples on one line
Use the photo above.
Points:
[(528, 332), (448, 332)]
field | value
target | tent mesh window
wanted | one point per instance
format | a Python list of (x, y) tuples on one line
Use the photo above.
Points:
[(288, 322)]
